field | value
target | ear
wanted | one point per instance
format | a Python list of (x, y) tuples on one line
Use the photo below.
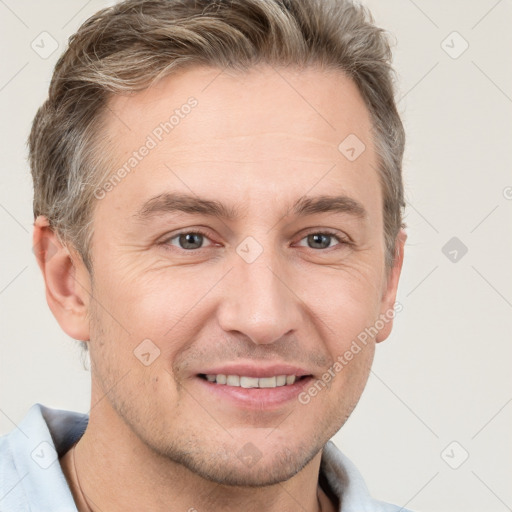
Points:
[(388, 309), (67, 280)]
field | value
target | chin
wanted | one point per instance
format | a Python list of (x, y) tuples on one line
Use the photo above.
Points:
[(246, 467)]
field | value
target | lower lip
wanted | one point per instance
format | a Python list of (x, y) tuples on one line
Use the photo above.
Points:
[(257, 398)]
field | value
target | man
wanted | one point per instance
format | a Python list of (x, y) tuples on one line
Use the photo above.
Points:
[(218, 218)]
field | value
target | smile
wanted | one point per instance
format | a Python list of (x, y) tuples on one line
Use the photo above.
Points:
[(246, 382)]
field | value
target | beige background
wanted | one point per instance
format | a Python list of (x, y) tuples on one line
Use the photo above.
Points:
[(444, 374)]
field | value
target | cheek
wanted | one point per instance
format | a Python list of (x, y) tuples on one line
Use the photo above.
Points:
[(149, 318), (129, 361), (147, 301), (345, 311), (345, 301), (156, 300)]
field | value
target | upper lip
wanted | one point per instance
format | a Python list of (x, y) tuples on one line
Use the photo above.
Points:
[(256, 370)]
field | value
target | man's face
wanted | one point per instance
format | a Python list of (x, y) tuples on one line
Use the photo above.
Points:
[(267, 292)]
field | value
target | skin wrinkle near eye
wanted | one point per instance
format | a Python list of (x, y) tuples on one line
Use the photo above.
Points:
[(341, 234), (166, 204), (353, 238), (341, 240)]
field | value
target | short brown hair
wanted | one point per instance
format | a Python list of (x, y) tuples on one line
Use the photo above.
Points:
[(131, 45)]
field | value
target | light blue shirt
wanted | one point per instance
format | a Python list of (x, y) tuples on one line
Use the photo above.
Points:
[(31, 478)]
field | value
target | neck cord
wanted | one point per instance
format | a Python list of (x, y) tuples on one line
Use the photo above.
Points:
[(89, 509)]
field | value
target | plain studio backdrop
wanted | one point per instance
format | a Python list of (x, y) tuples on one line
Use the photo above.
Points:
[(432, 430)]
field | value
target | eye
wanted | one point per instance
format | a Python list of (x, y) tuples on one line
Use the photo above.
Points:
[(188, 240), (194, 240), (323, 239)]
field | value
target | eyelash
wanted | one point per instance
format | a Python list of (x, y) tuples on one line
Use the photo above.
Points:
[(342, 241)]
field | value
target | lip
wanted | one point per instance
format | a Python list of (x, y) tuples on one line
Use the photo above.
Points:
[(260, 399), (252, 370)]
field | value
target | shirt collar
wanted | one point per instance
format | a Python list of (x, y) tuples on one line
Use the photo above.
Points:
[(36, 444)]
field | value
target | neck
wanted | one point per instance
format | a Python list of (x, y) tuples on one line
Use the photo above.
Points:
[(116, 471)]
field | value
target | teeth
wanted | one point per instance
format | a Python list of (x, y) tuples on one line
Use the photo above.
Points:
[(233, 380), (290, 379), (249, 382), (252, 382), (267, 382)]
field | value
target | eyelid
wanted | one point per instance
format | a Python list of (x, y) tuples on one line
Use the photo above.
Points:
[(342, 238), (196, 231)]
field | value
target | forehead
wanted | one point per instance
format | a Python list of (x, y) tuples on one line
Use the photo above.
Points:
[(272, 101), (242, 133)]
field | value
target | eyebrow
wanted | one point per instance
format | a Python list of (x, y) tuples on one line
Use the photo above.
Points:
[(185, 203)]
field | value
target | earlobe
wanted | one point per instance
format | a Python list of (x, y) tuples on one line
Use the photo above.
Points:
[(388, 309), (66, 278)]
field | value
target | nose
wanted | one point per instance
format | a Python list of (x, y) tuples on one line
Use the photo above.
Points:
[(258, 300)]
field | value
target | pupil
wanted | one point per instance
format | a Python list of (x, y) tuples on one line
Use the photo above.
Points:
[(317, 238), (191, 239)]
